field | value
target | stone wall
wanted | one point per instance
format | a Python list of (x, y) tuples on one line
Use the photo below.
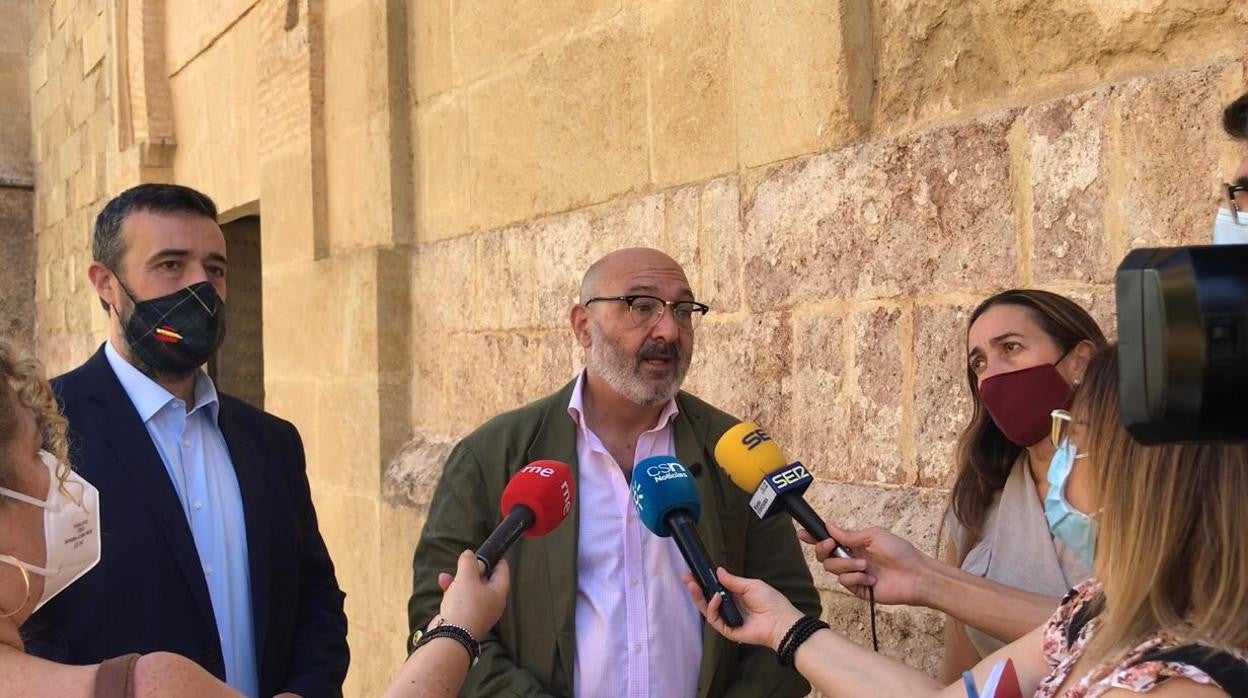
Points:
[(17, 241), (842, 180)]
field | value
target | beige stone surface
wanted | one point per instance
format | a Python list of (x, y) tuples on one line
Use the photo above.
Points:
[(429, 56), (217, 150), (15, 101), (793, 79), (1068, 161), (937, 60), (192, 27), (487, 35), (942, 400), (693, 125), (17, 260), (925, 213), (586, 101), (357, 126)]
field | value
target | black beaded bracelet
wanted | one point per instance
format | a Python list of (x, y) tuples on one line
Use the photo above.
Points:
[(460, 635), (799, 633)]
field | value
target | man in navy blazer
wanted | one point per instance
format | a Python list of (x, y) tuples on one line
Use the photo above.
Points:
[(210, 540)]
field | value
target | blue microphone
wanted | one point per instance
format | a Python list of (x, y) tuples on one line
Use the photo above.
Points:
[(667, 502)]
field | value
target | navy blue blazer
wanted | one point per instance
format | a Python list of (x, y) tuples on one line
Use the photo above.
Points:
[(148, 593)]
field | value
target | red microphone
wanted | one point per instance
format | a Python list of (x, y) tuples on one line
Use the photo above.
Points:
[(534, 503)]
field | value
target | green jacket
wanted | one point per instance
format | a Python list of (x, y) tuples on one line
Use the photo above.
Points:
[(530, 651)]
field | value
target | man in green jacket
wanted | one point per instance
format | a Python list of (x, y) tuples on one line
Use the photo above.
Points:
[(597, 607)]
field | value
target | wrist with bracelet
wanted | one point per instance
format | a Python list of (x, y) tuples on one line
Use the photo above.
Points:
[(798, 633), (454, 632)]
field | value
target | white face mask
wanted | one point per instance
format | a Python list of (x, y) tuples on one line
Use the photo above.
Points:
[(1228, 232), (71, 530)]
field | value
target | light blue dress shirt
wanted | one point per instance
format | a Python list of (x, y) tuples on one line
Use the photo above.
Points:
[(193, 450)]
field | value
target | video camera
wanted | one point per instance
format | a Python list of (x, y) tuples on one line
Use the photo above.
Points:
[(1183, 343)]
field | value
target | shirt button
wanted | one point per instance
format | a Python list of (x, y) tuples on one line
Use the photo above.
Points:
[(186, 444), (632, 581), (198, 504), (636, 646)]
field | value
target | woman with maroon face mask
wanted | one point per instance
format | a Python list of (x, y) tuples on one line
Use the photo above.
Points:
[(1004, 569)]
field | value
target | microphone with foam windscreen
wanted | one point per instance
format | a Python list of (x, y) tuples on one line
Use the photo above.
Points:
[(668, 504), (534, 503), (757, 465)]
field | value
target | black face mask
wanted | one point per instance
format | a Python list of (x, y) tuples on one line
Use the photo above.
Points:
[(179, 332)]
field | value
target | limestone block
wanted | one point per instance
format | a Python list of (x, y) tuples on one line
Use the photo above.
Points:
[(703, 224), (94, 43), (693, 127), (355, 62), (560, 131), (911, 635), (342, 340), (357, 176), (347, 422), (488, 373), (85, 97), (17, 264), (796, 81), (445, 290), (344, 519), (1100, 303), (924, 213), (429, 47), (15, 117), (218, 145), (400, 529), (410, 477), (442, 179), (877, 429), (535, 271), (1171, 133), (191, 27), (744, 367), (16, 24), (1068, 156), (295, 399), (375, 658), (285, 188), (942, 401), (936, 60), (912, 513), (822, 434), (489, 35)]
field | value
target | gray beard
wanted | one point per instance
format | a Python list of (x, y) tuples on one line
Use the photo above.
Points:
[(621, 371)]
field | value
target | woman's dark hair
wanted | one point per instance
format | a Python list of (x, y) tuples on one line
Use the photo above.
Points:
[(984, 456)]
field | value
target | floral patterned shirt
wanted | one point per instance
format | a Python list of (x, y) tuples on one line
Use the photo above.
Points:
[(1144, 668)]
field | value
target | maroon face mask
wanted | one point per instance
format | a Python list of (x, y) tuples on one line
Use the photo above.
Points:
[(1020, 402)]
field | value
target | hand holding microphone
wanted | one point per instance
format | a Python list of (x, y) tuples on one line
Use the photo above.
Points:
[(668, 504), (536, 500)]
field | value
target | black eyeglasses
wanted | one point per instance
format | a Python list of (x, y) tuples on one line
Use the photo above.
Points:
[(1240, 215), (647, 311)]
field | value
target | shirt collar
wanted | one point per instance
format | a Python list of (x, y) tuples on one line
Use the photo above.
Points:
[(149, 397), (576, 407)]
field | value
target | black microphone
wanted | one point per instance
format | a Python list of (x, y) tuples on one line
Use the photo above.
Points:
[(667, 503), (534, 503), (755, 464)]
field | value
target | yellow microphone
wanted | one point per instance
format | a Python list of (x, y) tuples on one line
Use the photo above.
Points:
[(757, 465)]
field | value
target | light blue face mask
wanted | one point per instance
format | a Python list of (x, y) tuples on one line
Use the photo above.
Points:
[(1229, 231), (1072, 527)]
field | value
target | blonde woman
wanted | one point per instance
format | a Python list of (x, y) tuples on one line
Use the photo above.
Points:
[(1164, 613), (41, 497)]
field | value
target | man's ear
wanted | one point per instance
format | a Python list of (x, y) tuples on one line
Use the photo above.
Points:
[(105, 283), (579, 318)]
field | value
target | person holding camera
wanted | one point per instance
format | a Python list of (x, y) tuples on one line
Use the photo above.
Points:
[(1163, 615)]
